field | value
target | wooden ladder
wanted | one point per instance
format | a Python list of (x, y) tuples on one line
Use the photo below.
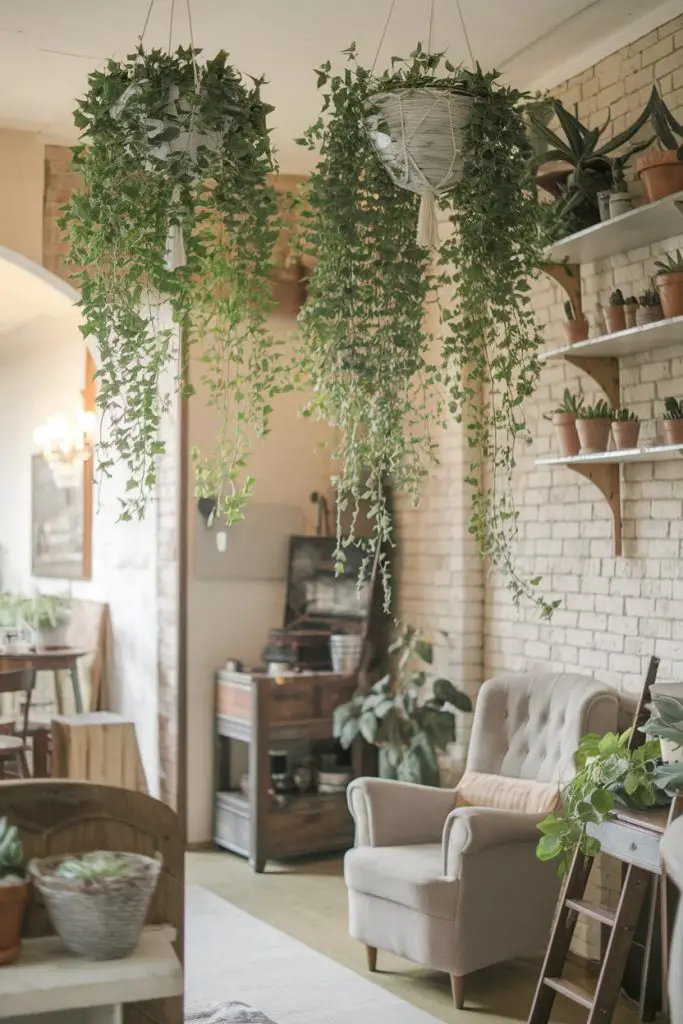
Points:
[(621, 921)]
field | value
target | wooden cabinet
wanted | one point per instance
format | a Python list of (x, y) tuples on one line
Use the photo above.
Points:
[(267, 712)]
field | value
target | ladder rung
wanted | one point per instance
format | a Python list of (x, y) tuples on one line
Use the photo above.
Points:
[(571, 991), (598, 913)]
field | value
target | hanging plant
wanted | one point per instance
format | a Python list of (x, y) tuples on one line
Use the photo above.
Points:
[(378, 373), (176, 208)]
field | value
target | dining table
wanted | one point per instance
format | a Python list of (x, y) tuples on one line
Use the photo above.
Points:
[(47, 659)]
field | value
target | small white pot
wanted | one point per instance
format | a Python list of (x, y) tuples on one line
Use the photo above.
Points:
[(51, 636), (620, 202)]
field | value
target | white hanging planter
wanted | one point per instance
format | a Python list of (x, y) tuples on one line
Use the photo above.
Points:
[(419, 135)]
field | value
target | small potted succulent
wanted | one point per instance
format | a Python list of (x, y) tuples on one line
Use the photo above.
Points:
[(593, 424), (669, 281), (97, 902), (630, 311), (673, 421), (661, 170), (575, 327), (563, 420), (48, 617), (625, 429), (614, 312), (649, 308), (13, 892)]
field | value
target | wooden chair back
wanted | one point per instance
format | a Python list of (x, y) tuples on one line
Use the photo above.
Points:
[(57, 817), (20, 680)]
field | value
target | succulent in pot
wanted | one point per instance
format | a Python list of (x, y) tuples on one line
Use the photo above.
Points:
[(48, 617), (563, 419), (669, 281), (661, 170), (614, 312), (620, 199), (630, 311), (649, 308), (672, 424), (14, 890), (98, 901), (625, 429), (593, 425), (575, 327)]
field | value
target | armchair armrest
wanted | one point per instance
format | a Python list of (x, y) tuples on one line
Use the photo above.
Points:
[(389, 813), (471, 829)]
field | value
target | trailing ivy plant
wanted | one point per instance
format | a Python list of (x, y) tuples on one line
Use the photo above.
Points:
[(379, 373), (175, 156)]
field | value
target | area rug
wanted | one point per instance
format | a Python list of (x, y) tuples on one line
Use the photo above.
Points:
[(231, 957)]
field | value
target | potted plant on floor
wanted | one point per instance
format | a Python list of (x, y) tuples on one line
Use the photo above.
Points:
[(563, 420), (649, 308), (661, 170), (673, 421), (614, 312), (97, 902), (625, 429), (575, 327), (395, 716), (630, 311), (14, 890), (669, 282), (48, 617), (593, 424)]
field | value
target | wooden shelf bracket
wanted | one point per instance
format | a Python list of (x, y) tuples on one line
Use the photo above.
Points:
[(607, 479), (568, 276), (605, 372)]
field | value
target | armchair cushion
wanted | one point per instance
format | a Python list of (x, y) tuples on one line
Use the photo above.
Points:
[(410, 876), (389, 813), (479, 789)]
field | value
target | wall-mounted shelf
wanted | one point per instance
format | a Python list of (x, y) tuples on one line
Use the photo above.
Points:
[(652, 222), (661, 334), (602, 469)]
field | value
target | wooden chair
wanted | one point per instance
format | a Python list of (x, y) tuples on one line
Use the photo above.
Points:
[(57, 817), (13, 746)]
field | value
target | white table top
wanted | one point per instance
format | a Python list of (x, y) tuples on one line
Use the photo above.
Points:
[(47, 978)]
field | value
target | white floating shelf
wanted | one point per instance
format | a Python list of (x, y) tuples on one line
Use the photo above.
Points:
[(652, 222), (661, 334), (655, 454)]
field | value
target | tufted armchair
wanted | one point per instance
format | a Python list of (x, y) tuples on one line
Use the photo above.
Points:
[(458, 888)]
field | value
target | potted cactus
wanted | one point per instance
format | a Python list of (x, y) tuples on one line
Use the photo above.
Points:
[(630, 311), (661, 170), (563, 420), (614, 312), (593, 426), (625, 429), (673, 421), (13, 892), (575, 327), (649, 309), (669, 281)]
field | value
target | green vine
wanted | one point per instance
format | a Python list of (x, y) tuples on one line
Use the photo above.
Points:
[(379, 374), (173, 146)]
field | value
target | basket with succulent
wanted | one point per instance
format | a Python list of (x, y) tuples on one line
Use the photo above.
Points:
[(649, 308), (13, 892), (669, 281), (625, 429), (97, 902), (630, 311), (614, 312), (672, 421), (575, 327), (563, 419), (593, 423)]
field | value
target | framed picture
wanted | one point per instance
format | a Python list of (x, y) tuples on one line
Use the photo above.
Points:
[(314, 591), (60, 522)]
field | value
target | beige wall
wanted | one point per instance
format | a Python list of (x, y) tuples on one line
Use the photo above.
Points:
[(21, 193)]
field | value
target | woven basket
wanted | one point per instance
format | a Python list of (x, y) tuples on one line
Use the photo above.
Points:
[(419, 135), (98, 920)]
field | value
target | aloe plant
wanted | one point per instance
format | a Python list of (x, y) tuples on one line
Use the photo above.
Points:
[(11, 854), (663, 122), (624, 415), (616, 298), (600, 411), (673, 409), (671, 264), (570, 403)]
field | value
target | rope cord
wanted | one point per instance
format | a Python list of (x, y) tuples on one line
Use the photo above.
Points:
[(430, 26), (384, 32), (170, 27), (144, 27), (194, 58), (464, 32)]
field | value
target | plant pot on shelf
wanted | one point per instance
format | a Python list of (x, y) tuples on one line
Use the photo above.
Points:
[(672, 431), (564, 425), (630, 314), (13, 898), (670, 288), (593, 435), (603, 205), (661, 173), (620, 202), (552, 177), (576, 330), (625, 434), (616, 319), (648, 315)]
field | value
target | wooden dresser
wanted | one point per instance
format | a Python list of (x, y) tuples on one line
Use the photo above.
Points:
[(268, 712)]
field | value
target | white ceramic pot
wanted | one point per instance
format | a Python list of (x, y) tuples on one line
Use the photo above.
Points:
[(51, 636), (620, 202)]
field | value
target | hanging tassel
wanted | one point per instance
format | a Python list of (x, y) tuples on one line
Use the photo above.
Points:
[(427, 222)]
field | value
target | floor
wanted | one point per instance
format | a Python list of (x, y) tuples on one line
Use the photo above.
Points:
[(308, 901)]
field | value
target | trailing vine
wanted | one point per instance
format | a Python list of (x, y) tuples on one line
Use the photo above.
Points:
[(378, 373), (176, 208)]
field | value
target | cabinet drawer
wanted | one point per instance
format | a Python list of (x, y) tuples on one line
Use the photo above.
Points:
[(234, 701), (292, 700), (310, 825), (335, 693), (632, 845), (232, 823)]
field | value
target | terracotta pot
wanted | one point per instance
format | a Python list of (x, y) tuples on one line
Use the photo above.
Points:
[(620, 202), (625, 434), (593, 435), (12, 905), (576, 330), (672, 431), (564, 424), (648, 315), (630, 312), (616, 319), (661, 174), (670, 288)]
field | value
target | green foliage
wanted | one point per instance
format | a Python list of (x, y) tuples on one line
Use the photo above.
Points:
[(671, 264), (570, 403), (625, 416), (673, 409), (663, 123), (616, 298), (393, 715), (11, 852), (649, 298), (170, 143), (631, 301), (93, 867), (600, 411), (44, 610), (9, 610), (666, 720)]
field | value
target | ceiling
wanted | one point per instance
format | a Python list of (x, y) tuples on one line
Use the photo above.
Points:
[(47, 47)]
